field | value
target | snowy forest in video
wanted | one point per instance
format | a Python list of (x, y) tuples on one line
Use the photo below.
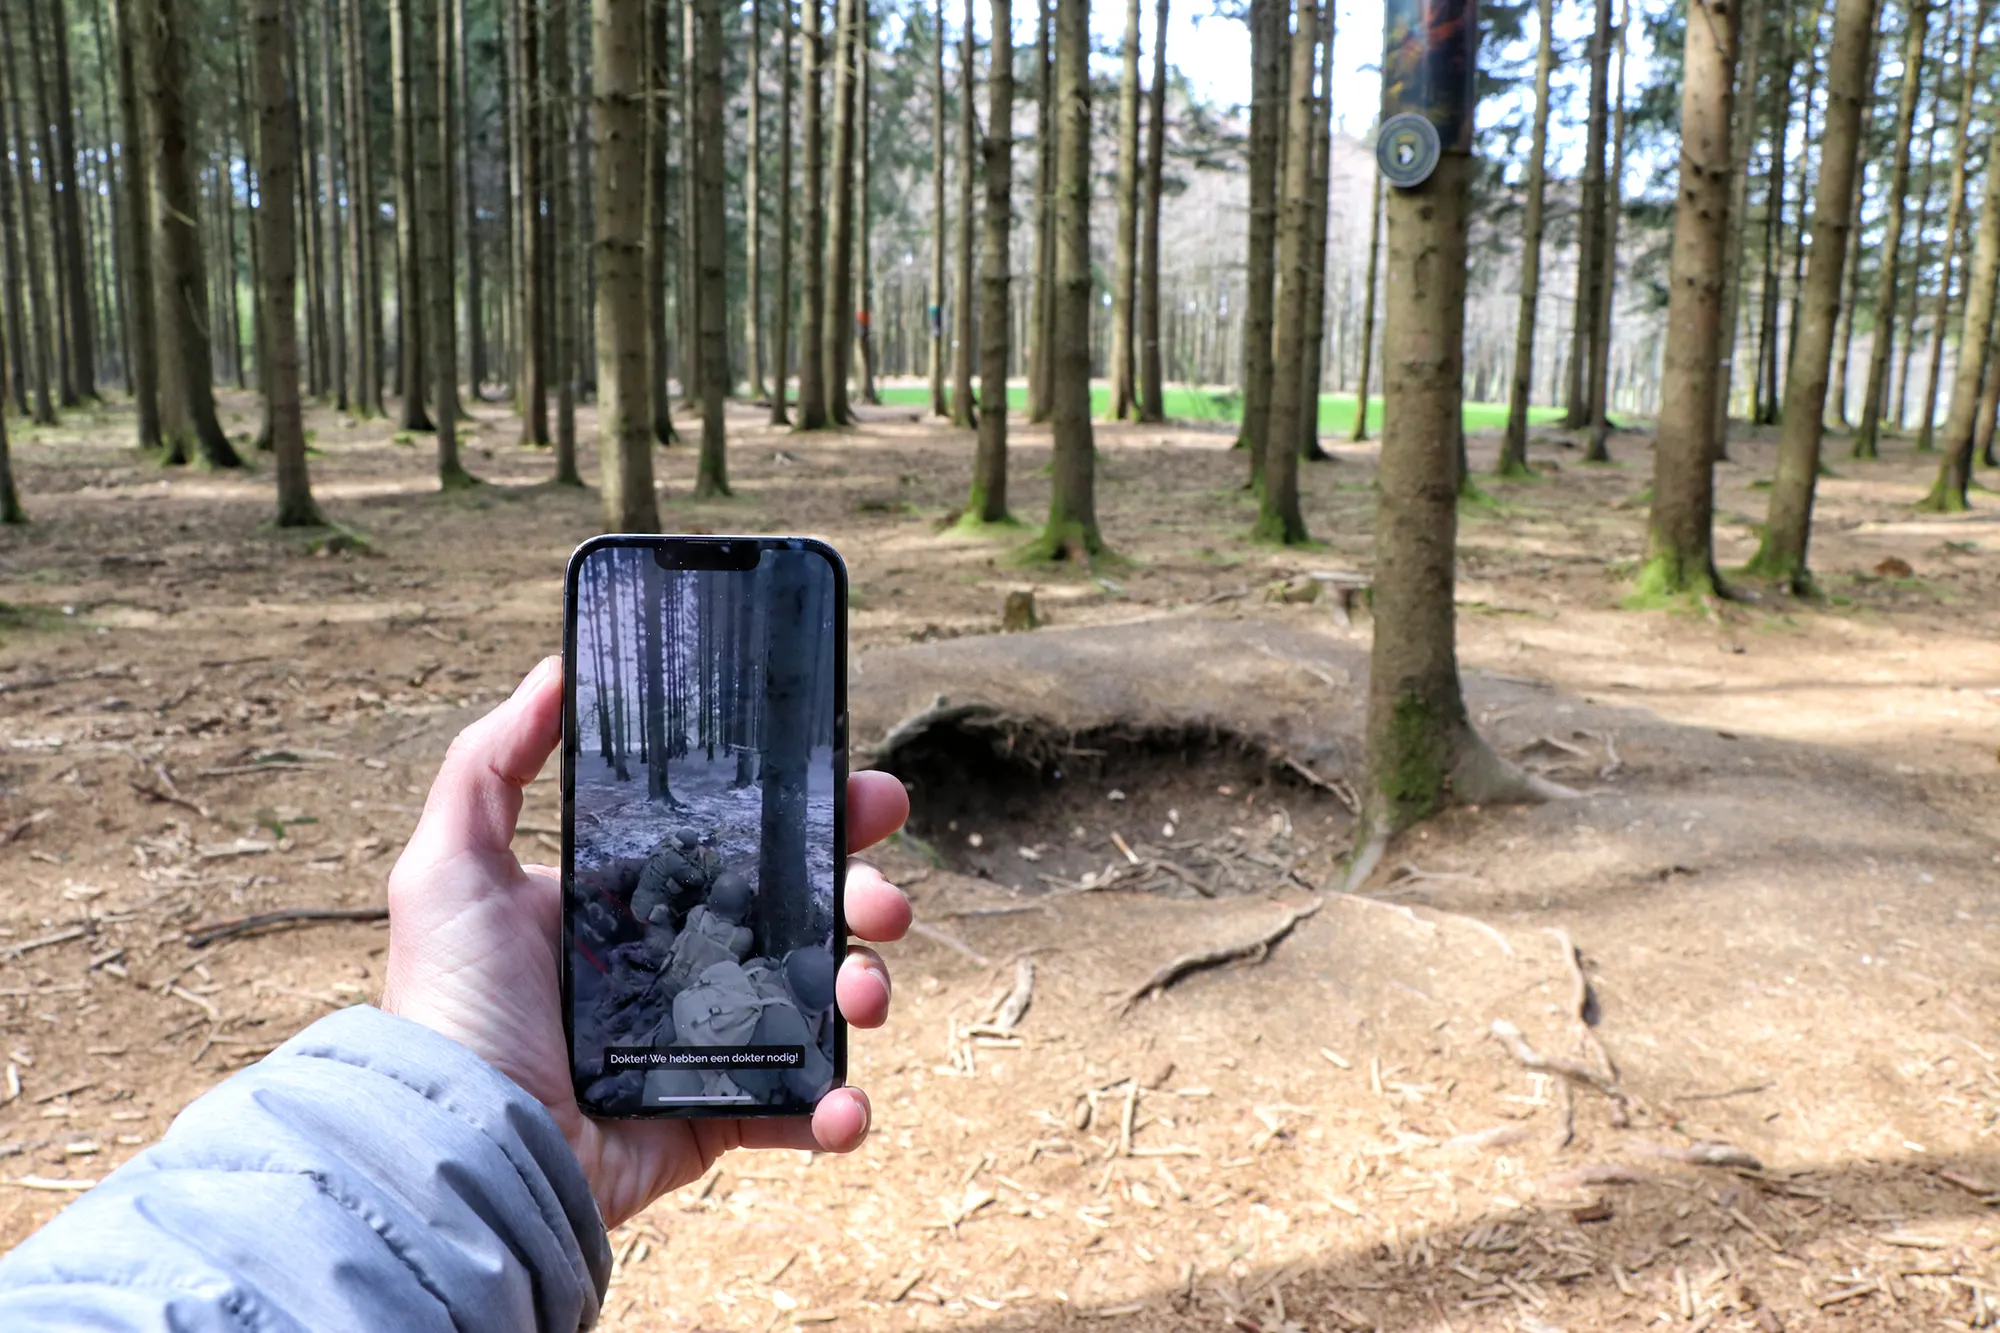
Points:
[(704, 798)]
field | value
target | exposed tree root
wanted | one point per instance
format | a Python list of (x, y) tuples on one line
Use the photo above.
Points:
[(1188, 963), (202, 936)]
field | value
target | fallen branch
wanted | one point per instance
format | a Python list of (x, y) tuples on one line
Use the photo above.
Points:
[(1703, 1154), (1518, 1047), (62, 936), (22, 825), (169, 798), (202, 936), (1007, 1016), (1339, 789), (1188, 963)]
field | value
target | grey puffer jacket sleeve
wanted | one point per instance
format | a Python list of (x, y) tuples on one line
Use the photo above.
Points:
[(369, 1174)]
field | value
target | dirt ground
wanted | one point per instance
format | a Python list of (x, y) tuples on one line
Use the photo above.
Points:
[(1781, 877)]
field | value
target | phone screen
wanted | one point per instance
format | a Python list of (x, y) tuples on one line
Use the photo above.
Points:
[(703, 808)]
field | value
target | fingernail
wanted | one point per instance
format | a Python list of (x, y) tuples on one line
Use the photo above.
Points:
[(874, 966)]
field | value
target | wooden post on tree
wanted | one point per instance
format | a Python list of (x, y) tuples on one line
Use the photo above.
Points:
[(1422, 749), (1680, 543)]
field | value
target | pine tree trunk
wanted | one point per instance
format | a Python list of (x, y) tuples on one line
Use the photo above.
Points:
[(437, 153), (1125, 275), (1743, 135), (1988, 417), (1598, 450), (330, 224), (964, 412), (1582, 411), (712, 476), (939, 406), (41, 320), (1954, 222), (1680, 547), (362, 271), (1267, 114), (468, 201), (1312, 367), (812, 357), (1813, 55), (559, 116), (988, 501), (277, 172), (1041, 339), (1278, 517), (136, 206), (837, 334), (1899, 402), (781, 309), (1360, 432), (10, 498), (405, 62), (76, 272), (533, 87), (1975, 337), (689, 303), (188, 425), (1152, 390), (1514, 445), (618, 55), (1764, 396), (659, 343), (864, 253), (753, 203), (1843, 338), (1867, 431), (319, 356), (1071, 532), (1782, 555), (10, 245)]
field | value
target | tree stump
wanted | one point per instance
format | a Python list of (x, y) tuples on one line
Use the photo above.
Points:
[(1019, 613)]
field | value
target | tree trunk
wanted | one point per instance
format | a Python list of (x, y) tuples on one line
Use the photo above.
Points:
[(791, 639), (1764, 397), (812, 354), (1988, 417), (565, 305), (659, 338), (1312, 363), (1782, 555), (1598, 450), (1267, 114), (1843, 337), (988, 501), (407, 95), (1514, 445), (939, 406), (1866, 432), (1278, 517), (1125, 277), (1948, 495), (781, 310), (618, 52), (711, 290), (964, 412), (535, 314), (188, 425), (1680, 547), (1954, 221), (10, 498), (1360, 432), (1590, 226), (1071, 532), (1152, 389), (40, 318), (864, 334), (363, 272), (753, 203), (837, 335), (468, 201), (1908, 344), (277, 172), (432, 68), (136, 207), (1743, 135), (330, 229), (653, 671), (76, 270), (318, 357), (1041, 350)]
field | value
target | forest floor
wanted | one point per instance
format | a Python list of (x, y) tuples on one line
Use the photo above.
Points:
[(1781, 876)]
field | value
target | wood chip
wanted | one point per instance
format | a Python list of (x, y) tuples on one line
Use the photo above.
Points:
[(70, 1186)]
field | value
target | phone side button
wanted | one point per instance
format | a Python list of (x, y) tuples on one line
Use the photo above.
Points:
[(840, 731)]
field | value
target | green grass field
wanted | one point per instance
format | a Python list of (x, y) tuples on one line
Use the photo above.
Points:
[(1336, 410)]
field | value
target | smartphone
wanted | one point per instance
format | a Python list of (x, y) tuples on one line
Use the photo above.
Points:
[(704, 774)]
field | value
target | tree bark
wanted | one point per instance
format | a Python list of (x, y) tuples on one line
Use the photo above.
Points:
[(659, 337), (1867, 431), (988, 501), (864, 330), (41, 321), (1948, 494), (432, 67), (1680, 547), (1764, 396), (318, 357), (136, 207), (1360, 432), (330, 222), (753, 201), (837, 336), (565, 306), (1267, 50), (1041, 349), (188, 426), (781, 309), (1152, 388), (1907, 343), (618, 53), (711, 291), (939, 405), (364, 273), (1612, 200), (1071, 532), (1582, 410), (1782, 555), (652, 674), (1743, 135), (468, 202), (964, 412), (1312, 363), (812, 354), (277, 173), (1514, 445), (1278, 517), (76, 268), (404, 61), (1954, 221), (1125, 276)]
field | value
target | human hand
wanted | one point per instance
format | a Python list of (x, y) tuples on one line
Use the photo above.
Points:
[(474, 938)]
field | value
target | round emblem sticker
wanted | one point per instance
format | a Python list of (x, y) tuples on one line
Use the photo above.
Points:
[(1407, 150)]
